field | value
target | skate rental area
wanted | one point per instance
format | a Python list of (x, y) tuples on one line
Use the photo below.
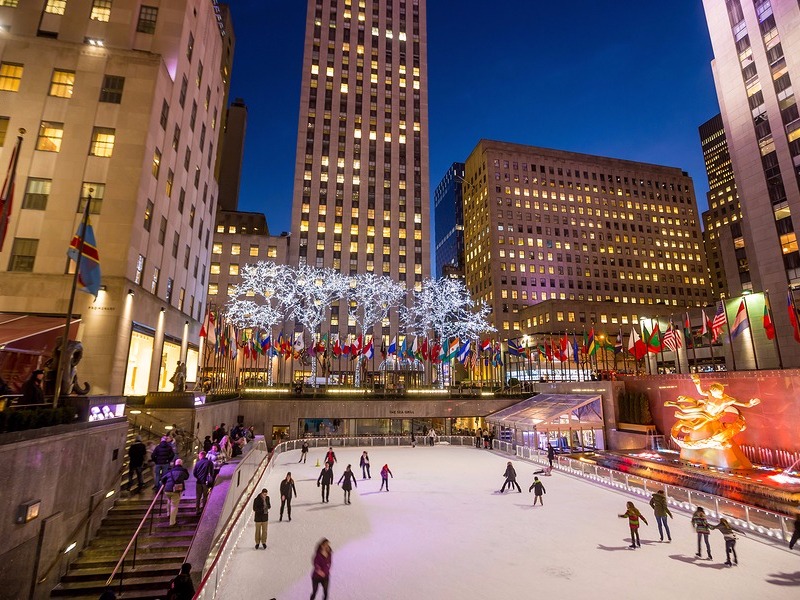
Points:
[(444, 530)]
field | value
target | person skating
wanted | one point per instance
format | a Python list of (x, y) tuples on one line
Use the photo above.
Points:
[(303, 452), (432, 436), (322, 569), (349, 479), (658, 502), (633, 515), (330, 457), (511, 478), (796, 534), (551, 454), (729, 533), (364, 463), (325, 480), (700, 525), (538, 490), (261, 506), (385, 472), (478, 438), (287, 490)]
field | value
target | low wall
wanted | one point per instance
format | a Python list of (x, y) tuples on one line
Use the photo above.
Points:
[(772, 425), (69, 468)]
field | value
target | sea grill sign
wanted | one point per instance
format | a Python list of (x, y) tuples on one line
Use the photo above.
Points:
[(218, 14)]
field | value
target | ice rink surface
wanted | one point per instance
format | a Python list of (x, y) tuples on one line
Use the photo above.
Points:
[(444, 532)]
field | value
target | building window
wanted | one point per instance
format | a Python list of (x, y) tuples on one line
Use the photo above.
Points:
[(193, 115), (147, 19), (112, 89), (61, 83), (181, 298), (23, 254), (236, 249), (176, 241), (137, 279), (231, 289), (215, 268), (184, 87), (199, 74), (10, 76), (181, 200), (3, 130), (162, 231), (216, 248), (154, 283), (233, 269), (156, 162), (190, 47), (97, 190), (170, 179), (272, 252), (148, 215), (36, 193), (101, 10), (50, 136), (55, 7), (213, 289), (253, 250), (168, 295), (9, 3), (102, 142), (164, 115)]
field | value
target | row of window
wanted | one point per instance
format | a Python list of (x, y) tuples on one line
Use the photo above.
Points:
[(62, 83), (236, 250), (100, 11)]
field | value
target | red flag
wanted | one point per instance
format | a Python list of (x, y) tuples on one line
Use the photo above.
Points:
[(7, 191), (424, 349), (769, 326), (337, 349), (793, 317)]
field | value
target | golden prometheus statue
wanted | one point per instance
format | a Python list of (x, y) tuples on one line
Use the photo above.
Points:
[(706, 425)]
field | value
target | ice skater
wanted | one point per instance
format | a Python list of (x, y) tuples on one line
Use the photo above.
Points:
[(546, 471), (432, 436), (551, 454), (385, 472), (364, 464), (729, 533), (700, 525), (349, 479), (633, 515), (303, 452), (511, 479), (261, 506), (287, 489), (322, 569), (658, 502), (538, 490), (324, 481), (330, 457)]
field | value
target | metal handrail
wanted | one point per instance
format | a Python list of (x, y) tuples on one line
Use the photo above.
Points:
[(80, 526), (134, 541)]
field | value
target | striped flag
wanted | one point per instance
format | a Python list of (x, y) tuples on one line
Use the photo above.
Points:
[(793, 317), (720, 320), (741, 322), (769, 326), (7, 192), (89, 266)]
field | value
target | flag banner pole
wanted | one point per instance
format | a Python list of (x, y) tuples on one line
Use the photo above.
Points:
[(65, 338), (774, 335), (7, 192), (675, 340), (710, 340), (751, 333)]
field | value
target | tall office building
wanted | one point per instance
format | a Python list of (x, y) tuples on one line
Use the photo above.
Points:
[(448, 204), (232, 155), (122, 101), (544, 224), (722, 228), (361, 199), (756, 60)]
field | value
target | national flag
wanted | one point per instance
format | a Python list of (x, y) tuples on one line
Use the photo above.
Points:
[(89, 267), (368, 351), (741, 322), (414, 352), (393, 346), (486, 345), (7, 193), (769, 326), (346, 348), (463, 353), (513, 348), (452, 350), (687, 331), (564, 351), (356, 348), (337, 347), (245, 344), (209, 328), (403, 349), (636, 346), (678, 340), (266, 343), (497, 361), (575, 348), (383, 350), (299, 342), (793, 316), (654, 343), (435, 351), (591, 347), (720, 320), (618, 344), (424, 350), (669, 339)]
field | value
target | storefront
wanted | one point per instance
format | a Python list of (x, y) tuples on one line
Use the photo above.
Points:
[(140, 358), (170, 356), (322, 427)]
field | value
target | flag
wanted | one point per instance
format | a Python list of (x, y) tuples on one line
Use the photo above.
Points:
[(741, 322), (687, 331), (463, 353), (720, 320), (337, 348), (414, 352), (669, 339), (793, 316), (591, 347), (356, 348), (618, 344), (486, 345), (369, 351), (209, 328), (89, 268), (7, 193), (393, 346), (424, 350), (654, 343), (575, 348), (299, 342), (564, 352), (636, 346), (497, 361), (266, 343), (434, 355), (452, 350), (769, 326), (346, 348), (383, 350), (513, 348), (678, 340), (245, 344), (403, 349)]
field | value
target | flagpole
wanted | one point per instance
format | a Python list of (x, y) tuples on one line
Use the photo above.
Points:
[(750, 327), (675, 340), (775, 336), (5, 216), (710, 338), (65, 337)]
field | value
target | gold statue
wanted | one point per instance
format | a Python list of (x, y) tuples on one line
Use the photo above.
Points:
[(707, 424)]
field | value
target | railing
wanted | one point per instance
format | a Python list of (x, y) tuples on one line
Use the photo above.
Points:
[(134, 543), (223, 548), (763, 523)]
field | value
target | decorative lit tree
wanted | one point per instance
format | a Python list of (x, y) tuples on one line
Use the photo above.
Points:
[(370, 297), (262, 299), (445, 308), (312, 291)]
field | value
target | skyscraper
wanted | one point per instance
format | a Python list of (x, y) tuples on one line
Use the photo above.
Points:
[(722, 228), (449, 209), (361, 199), (756, 60)]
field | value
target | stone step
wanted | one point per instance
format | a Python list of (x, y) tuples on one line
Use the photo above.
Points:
[(156, 548), (105, 559), (132, 522), (100, 575), (128, 594), (156, 585)]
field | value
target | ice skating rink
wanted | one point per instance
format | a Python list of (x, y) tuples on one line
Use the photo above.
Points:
[(444, 532)]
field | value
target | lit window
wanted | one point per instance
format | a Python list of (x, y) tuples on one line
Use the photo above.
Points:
[(216, 248), (102, 142), (50, 136), (101, 10), (139, 270), (236, 249), (97, 191), (62, 83), (3, 130), (231, 289), (231, 228), (10, 77), (55, 7), (9, 3), (147, 19), (213, 289), (253, 250), (154, 282), (215, 269), (233, 269), (148, 216), (156, 162)]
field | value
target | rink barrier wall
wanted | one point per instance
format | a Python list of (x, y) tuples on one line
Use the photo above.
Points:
[(222, 549), (761, 523)]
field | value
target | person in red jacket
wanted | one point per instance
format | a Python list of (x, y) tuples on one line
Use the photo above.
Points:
[(385, 472), (330, 457), (634, 516), (322, 569)]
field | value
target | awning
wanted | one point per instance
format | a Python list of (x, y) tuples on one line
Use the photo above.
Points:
[(551, 411), (32, 333)]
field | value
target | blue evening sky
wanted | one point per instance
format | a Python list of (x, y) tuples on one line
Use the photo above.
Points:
[(619, 78)]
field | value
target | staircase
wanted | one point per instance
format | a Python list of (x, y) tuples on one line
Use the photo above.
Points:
[(159, 553)]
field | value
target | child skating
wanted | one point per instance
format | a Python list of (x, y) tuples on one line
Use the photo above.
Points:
[(633, 515), (385, 473), (538, 490)]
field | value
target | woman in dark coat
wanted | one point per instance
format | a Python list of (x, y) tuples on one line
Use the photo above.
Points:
[(349, 481), (322, 569), (511, 479)]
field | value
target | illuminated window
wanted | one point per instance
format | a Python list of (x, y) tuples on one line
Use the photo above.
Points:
[(213, 289), (148, 215), (214, 268), (233, 269), (253, 250), (216, 248), (102, 142), (61, 83), (137, 279), (154, 282), (101, 10), (55, 7), (231, 289), (156, 162), (9, 3), (97, 191), (50, 136), (236, 249), (3, 130), (231, 228)]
